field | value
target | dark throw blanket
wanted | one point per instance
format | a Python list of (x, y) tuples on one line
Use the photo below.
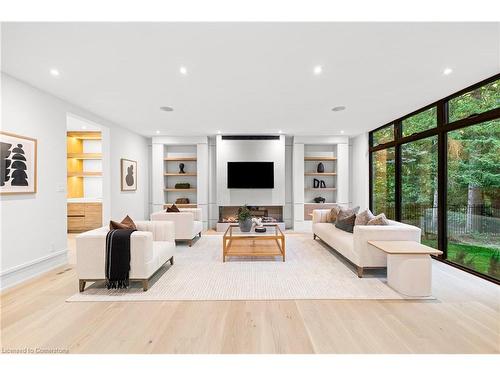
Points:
[(118, 258)]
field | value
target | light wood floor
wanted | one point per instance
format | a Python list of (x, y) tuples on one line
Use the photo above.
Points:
[(465, 318)]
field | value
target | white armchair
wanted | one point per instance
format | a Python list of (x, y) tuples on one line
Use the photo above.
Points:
[(188, 222), (151, 246)]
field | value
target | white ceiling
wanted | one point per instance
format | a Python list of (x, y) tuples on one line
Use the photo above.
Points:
[(251, 77)]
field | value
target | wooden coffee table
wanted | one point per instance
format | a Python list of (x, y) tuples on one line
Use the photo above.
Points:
[(253, 244)]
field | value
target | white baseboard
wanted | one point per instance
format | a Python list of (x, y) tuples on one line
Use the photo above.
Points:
[(23, 272)]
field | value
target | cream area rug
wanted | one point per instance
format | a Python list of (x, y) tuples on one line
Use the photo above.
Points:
[(311, 271)]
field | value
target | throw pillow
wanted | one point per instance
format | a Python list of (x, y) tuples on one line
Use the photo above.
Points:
[(364, 217), (346, 224), (126, 223), (378, 220), (332, 216), (173, 208), (346, 212)]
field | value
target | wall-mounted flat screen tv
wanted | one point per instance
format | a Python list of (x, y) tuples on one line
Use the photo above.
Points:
[(250, 175)]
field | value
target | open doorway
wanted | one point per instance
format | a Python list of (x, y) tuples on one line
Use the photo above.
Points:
[(87, 177)]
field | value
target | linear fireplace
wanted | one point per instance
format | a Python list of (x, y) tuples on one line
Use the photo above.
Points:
[(269, 214)]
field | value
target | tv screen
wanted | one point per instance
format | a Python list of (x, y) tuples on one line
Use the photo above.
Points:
[(250, 175)]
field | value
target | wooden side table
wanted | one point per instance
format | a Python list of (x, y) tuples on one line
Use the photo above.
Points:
[(409, 267)]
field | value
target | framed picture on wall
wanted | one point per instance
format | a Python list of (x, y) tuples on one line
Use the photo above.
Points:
[(128, 175), (17, 164)]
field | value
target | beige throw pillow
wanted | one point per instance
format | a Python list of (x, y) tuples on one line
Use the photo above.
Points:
[(378, 220), (346, 212), (332, 216), (364, 217)]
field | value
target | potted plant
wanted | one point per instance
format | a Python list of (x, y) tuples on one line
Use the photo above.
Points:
[(244, 219)]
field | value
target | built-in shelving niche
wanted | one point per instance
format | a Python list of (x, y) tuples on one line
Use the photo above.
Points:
[(173, 156), (313, 155)]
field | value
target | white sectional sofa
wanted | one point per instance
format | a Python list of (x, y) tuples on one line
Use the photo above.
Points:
[(188, 222), (354, 246), (151, 246)]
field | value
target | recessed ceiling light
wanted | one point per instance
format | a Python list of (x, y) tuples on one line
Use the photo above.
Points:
[(183, 70), (84, 127), (318, 69), (341, 132), (447, 71), (166, 109), (279, 131), (157, 132), (54, 72), (338, 108), (219, 132)]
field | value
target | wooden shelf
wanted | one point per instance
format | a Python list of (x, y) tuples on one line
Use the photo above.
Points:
[(181, 174), (186, 190), (85, 135), (84, 174), (320, 174), (321, 189), (186, 158), (84, 156), (318, 204), (320, 158), (181, 205)]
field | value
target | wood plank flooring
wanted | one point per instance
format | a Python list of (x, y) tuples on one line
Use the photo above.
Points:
[(465, 318)]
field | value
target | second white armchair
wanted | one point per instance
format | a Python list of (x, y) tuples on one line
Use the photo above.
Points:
[(188, 222)]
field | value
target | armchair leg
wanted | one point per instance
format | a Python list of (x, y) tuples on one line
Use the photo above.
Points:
[(145, 285), (81, 285), (360, 272), (314, 236), (199, 234), (172, 261)]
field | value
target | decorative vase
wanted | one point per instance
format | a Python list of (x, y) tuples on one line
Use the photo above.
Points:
[(245, 225), (321, 168)]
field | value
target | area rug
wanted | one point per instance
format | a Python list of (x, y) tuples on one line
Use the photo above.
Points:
[(311, 271)]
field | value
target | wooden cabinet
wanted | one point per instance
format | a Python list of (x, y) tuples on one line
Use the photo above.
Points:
[(84, 216)]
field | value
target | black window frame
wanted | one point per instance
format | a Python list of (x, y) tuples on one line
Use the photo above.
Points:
[(441, 130)]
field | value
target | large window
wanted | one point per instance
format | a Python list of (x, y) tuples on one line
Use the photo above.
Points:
[(384, 179), (473, 197), (419, 187), (439, 169)]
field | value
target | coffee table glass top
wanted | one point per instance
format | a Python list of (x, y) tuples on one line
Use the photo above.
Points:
[(271, 230)]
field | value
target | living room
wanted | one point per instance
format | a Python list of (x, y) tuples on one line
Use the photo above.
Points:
[(250, 190)]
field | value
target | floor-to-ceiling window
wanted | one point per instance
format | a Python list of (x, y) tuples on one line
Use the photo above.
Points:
[(439, 169)]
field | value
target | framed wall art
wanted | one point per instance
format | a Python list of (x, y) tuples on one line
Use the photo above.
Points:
[(18, 164), (128, 175)]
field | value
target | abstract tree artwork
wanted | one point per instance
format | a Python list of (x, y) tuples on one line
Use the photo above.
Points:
[(128, 175), (18, 164)]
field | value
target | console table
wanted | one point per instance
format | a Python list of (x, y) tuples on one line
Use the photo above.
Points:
[(409, 268)]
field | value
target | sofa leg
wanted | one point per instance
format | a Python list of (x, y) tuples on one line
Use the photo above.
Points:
[(190, 243), (145, 285), (360, 272), (314, 236), (199, 234), (172, 261), (81, 284)]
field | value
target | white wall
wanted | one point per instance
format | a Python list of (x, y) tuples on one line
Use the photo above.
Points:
[(251, 150), (359, 171), (33, 227)]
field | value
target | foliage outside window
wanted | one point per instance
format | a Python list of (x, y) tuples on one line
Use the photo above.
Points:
[(419, 183), (383, 135), (383, 182), (421, 121), (474, 102), (473, 197)]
